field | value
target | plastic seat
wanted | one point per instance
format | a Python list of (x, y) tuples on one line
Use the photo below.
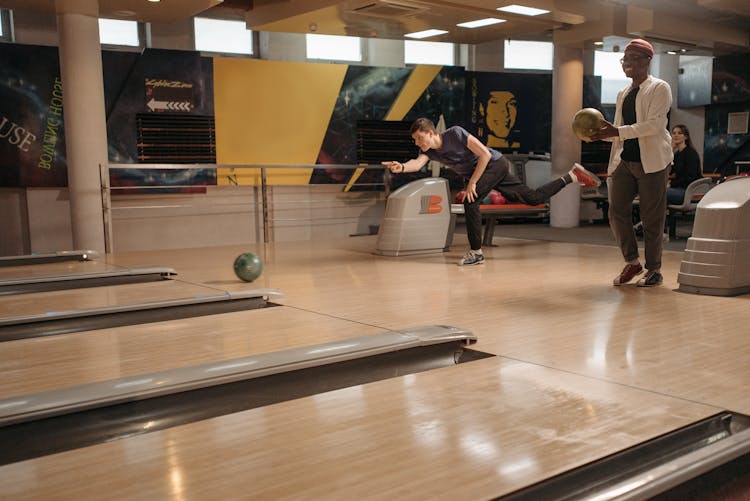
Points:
[(598, 195), (693, 194)]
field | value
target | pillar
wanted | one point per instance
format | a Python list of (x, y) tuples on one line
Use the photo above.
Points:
[(85, 117), (567, 97)]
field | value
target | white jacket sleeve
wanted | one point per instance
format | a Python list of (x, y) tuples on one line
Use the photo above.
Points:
[(653, 120)]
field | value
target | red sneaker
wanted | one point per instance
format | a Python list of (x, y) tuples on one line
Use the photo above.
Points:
[(628, 273), (584, 177)]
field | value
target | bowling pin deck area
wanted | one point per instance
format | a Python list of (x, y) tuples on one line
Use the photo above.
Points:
[(573, 370)]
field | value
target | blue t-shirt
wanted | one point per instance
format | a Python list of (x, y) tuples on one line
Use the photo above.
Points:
[(455, 154)]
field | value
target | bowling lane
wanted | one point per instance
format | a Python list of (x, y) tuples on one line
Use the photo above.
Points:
[(53, 362), (55, 268), (544, 302), (53, 303), (472, 431)]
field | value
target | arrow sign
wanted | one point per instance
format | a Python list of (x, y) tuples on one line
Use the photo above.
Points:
[(155, 105)]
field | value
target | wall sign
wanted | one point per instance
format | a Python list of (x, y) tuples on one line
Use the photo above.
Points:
[(169, 95)]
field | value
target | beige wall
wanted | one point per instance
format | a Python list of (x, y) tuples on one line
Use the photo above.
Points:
[(38, 220), (49, 219), (234, 215), (14, 230)]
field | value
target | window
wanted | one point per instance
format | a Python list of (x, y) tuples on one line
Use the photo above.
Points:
[(5, 26), (526, 55), (607, 65), (220, 35), (442, 53), (118, 32), (333, 47)]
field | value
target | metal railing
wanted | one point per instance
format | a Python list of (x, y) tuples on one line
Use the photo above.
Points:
[(107, 188)]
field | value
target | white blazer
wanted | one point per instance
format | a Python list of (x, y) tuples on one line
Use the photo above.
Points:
[(652, 103)]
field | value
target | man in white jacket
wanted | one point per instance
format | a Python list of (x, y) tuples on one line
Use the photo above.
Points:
[(641, 152)]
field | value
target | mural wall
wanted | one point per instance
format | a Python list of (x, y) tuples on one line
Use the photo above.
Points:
[(730, 97), (32, 136), (265, 113)]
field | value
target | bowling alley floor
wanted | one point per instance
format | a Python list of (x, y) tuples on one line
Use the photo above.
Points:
[(586, 233), (581, 370)]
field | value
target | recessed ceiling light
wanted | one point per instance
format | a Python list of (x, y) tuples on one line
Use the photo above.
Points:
[(481, 22), (598, 44), (154, 1), (425, 33), (524, 11)]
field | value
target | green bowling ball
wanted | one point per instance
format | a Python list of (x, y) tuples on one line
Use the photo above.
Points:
[(248, 266)]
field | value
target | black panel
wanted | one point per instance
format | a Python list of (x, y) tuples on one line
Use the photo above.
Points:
[(175, 138), (383, 140)]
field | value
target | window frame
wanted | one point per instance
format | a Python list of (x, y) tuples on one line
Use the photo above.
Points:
[(6, 24), (454, 51), (610, 85), (507, 43), (335, 59), (254, 40), (142, 35)]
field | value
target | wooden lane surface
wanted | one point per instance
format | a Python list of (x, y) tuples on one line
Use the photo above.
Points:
[(544, 302), (54, 268), (41, 303), (468, 432), (586, 369), (53, 362)]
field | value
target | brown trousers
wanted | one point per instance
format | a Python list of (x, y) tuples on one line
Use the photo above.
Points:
[(627, 182)]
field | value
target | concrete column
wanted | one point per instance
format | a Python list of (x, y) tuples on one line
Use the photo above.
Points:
[(567, 98), (85, 117)]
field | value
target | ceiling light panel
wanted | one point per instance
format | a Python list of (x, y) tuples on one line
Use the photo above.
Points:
[(425, 33), (481, 22), (523, 10)]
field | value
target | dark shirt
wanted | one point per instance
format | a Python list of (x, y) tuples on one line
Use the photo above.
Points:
[(686, 168), (631, 151), (455, 154)]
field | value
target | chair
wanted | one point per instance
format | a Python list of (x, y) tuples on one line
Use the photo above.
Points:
[(693, 194), (598, 195)]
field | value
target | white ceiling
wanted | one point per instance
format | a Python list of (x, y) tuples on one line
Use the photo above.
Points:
[(701, 26), (141, 10)]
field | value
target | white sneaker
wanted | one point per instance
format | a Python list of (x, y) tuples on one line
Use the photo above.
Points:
[(471, 258)]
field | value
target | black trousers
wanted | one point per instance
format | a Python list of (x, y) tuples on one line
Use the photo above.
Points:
[(498, 176)]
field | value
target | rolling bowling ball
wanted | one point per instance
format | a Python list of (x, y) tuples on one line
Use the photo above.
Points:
[(586, 122), (248, 266)]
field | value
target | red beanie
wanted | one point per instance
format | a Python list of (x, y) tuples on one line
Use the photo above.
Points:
[(641, 46)]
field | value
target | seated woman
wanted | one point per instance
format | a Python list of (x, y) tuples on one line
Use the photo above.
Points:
[(686, 167)]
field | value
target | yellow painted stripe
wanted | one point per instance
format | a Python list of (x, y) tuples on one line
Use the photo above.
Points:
[(272, 113), (357, 172), (418, 81)]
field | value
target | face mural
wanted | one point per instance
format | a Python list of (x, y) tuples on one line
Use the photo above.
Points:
[(500, 114), (510, 112)]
